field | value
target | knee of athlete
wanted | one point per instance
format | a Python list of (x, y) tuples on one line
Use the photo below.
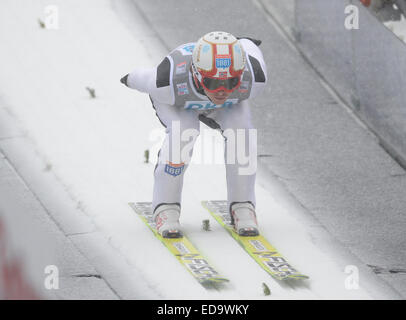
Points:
[(188, 140), (182, 131), (243, 139), (188, 133), (241, 148), (181, 145)]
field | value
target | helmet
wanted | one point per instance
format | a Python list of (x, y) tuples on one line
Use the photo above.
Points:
[(218, 61)]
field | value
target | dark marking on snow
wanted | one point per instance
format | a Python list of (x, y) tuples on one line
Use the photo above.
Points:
[(88, 275), (384, 270), (398, 175)]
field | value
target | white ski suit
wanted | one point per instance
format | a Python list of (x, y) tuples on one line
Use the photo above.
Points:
[(180, 106)]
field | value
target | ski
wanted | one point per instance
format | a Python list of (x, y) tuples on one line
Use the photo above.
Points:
[(182, 249), (257, 247)]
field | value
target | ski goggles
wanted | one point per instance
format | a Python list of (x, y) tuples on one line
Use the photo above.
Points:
[(214, 85)]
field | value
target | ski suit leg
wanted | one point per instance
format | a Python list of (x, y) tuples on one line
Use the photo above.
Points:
[(182, 129), (240, 151)]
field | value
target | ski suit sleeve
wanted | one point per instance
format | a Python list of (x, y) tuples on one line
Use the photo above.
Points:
[(154, 81), (258, 66)]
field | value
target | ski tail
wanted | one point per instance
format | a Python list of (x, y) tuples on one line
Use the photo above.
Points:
[(256, 246)]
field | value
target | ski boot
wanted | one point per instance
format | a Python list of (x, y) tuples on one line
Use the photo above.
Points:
[(166, 217), (244, 219)]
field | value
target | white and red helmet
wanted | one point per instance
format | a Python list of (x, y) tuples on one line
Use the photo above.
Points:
[(218, 61)]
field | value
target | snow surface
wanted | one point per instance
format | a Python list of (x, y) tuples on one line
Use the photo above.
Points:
[(95, 148)]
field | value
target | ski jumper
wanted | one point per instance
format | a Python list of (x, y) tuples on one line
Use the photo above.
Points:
[(180, 106)]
